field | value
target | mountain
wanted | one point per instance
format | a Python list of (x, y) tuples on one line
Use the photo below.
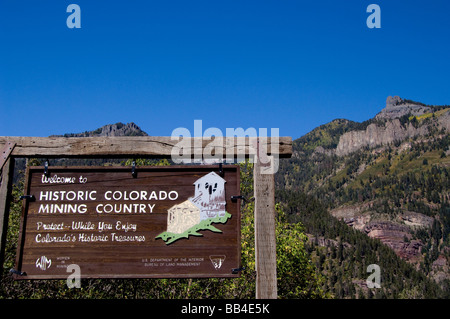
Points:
[(118, 129), (397, 107), (387, 178), (394, 124)]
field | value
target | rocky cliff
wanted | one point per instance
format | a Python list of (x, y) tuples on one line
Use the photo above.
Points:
[(396, 237), (397, 107), (118, 129), (388, 127), (395, 232), (376, 135)]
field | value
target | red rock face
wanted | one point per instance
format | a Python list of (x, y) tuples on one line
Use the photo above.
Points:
[(397, 237)]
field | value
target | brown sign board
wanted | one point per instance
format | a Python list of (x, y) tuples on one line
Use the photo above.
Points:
[(162, 222)]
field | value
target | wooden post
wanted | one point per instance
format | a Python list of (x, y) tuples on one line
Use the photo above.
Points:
[(265, 240), (5, 193)]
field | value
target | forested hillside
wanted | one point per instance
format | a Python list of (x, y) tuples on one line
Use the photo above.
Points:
[(377, 203)]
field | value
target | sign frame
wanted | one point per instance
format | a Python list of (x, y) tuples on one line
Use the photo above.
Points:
[(230, 172)]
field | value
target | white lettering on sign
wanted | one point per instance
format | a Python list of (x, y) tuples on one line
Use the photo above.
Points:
[(62, 208), (140, 195), (125, 227), (86, 238), (50, 226), (55, 179), (47, 238), (102, 226), (83, 225), (124, 208), (122, 238), (119, 228), (67, 195)]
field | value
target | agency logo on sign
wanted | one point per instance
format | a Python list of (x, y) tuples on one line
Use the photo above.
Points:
[(43, 263), (217, 261)]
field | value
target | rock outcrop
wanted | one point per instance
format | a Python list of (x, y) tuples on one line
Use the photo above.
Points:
[(118, 129), (397, 107), (375, 135), (444, 121), (396, 234), (388, 128), (397, 237), (440, 269), (416, 220)]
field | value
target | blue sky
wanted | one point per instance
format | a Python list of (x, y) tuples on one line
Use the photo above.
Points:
[(292, 65)]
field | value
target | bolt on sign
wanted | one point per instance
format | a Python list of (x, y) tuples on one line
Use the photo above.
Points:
[(163, 222)]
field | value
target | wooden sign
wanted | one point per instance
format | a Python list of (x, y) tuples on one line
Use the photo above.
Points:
[(162, 222)]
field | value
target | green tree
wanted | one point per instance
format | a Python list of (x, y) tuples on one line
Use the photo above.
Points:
[(296, 273)]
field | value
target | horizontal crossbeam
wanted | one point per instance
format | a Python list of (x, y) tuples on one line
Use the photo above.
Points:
[(145, 146)]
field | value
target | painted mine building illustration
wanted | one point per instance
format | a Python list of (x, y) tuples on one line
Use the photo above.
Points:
[(207, 202), (181, 217)]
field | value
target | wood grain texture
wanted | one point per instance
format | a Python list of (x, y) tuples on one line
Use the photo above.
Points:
[(7, 149), (141, 146), (265, 240)]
